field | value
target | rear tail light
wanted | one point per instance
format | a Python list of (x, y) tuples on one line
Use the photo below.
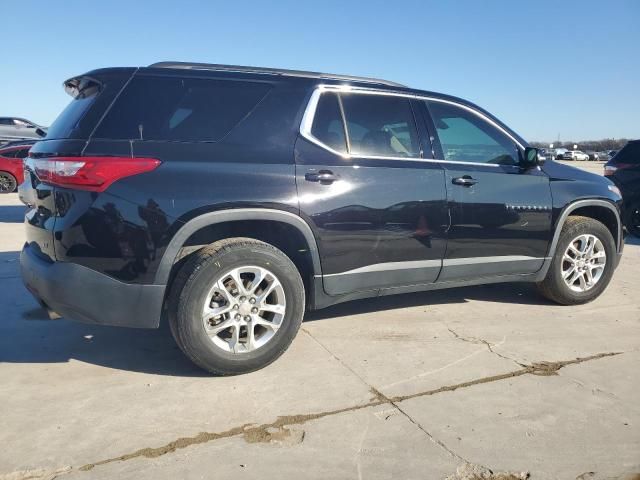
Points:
[(89, 173), (611, 169)]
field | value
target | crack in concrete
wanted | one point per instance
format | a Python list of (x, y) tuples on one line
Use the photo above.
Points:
[(537, 368), (265, 432), (378, 396), (433, 439), (250, 432), (482, 341)]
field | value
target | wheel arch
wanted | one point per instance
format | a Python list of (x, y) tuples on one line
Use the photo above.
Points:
[(604, 211), (282, 229)]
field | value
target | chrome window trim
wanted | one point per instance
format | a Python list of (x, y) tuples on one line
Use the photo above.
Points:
[(307, 123)]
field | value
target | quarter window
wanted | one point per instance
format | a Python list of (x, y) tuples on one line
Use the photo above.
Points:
[(327, 123), (465, 137), (22, 153), (180, 109)]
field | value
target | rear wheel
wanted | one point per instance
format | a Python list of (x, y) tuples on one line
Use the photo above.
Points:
[(632, 219), (236, 305), (8, 182), (583, 263)]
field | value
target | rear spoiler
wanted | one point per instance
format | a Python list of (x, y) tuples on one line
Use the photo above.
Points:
[(82, 86)]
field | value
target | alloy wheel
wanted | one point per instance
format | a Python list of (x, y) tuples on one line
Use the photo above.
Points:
[(583, 263), (244, 309), (7, 183)]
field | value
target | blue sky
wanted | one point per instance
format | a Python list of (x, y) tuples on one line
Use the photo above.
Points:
[(544, 67)]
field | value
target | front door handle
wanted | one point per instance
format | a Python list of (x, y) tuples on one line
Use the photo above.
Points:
[(323, 176), (465, 181)]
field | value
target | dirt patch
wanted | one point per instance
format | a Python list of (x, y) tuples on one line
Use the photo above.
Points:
[(470, 471), (275, 435)]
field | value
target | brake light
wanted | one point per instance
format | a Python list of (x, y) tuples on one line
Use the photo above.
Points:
[(89, 173), (611, 169)]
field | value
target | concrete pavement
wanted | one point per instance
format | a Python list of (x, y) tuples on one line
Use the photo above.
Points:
[(430, 385)]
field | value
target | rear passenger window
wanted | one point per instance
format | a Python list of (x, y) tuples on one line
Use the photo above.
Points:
[(380, 125), (177, 109), (327, 123)]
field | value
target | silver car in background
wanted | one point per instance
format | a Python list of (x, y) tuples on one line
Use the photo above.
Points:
[(13, 128)]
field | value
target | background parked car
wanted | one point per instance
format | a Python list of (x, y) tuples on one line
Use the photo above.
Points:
[(559, 153), (11, 168), (12, 128), (624, 170), (593, 156), (575, 155)]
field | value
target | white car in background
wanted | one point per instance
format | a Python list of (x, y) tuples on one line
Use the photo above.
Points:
[(12, 129), (576, 155)]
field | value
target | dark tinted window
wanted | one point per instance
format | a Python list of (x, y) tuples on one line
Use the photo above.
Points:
[(630, 153), (9, 154), (22, 153), (380, 125), (327, 123), (465, 137), (67, 121), (164, 108), (6, 121)]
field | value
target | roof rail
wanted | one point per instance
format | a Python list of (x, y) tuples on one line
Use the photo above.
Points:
[(271, 71)]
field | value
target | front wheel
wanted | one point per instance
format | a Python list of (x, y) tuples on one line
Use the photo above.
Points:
[(583, 263), (8, 182), (236, 305), (632, 219)]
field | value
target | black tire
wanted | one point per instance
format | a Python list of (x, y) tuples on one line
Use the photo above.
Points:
[(8, 183), (554, 287), (194, 281), (632, 218)]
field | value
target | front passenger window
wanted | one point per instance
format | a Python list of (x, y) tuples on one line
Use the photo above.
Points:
[(465, 137)]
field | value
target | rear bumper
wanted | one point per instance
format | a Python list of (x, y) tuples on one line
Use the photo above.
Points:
[(79, 293)]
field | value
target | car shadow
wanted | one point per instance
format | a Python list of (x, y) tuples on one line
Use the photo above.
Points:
[(631, 240), (27, 336), (12, 213), (511, 293)]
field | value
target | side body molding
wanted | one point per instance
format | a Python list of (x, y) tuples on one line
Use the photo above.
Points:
[(592, 202), (195, 224)]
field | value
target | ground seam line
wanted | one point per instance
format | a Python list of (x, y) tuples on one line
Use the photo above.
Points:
[(381, 396)]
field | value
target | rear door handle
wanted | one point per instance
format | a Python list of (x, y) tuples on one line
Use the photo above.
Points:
[(465, 181), (323, 176)]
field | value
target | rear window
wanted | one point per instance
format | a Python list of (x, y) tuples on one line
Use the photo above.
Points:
[(630, 153), (84, 92), (178, 109)]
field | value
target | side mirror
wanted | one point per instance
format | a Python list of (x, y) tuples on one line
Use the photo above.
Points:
[(531, 158), (40, 132)]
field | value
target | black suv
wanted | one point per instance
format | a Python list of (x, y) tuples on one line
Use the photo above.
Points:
[(624, 170), (229, 199)]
